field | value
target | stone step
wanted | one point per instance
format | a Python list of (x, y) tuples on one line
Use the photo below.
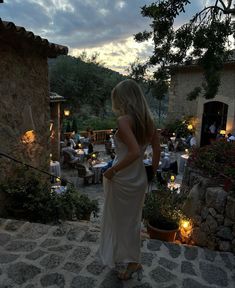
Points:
[(64, 255)]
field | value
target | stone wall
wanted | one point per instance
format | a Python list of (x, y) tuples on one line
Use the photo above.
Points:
[(212, 211), (188, 77), (23, 85)]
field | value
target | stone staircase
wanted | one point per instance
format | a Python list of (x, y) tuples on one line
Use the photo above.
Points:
[(34, 255)]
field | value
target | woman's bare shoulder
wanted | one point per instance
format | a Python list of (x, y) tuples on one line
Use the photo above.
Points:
[(124, 119)]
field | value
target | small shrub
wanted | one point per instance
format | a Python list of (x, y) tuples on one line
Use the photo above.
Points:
[(84, 206), (162, 208), (215, 160), (29, 197)]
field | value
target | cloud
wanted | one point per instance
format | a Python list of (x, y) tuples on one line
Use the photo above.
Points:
[(105, 26)]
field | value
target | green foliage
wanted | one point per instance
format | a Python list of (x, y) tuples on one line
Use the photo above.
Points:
[(74, 125), (179, 126), (68, 127), (96, 123), (162, 207), (216, 160), (83, 83), (29, 197), (194, 93), (204, 37), (85, 206)]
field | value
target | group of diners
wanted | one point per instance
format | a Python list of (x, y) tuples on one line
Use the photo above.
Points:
[(82, 154), (167, 164)]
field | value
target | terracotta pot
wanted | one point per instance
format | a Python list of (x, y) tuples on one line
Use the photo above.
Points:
[(161, 234)]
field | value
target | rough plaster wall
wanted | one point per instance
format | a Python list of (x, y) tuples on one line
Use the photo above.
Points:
[(23, 81)]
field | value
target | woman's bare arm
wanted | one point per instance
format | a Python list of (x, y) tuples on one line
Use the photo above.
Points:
[(155, 142)]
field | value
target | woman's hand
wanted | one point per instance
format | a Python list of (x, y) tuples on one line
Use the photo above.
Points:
[(108, 173)]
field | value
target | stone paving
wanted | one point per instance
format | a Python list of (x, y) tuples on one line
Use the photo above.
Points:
[(35, 255)]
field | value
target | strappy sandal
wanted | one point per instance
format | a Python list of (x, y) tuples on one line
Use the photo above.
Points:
[(127, 274)]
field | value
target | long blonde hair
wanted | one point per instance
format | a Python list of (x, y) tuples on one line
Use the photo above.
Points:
[(128, 98)]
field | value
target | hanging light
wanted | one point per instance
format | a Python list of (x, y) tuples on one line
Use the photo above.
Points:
[(66, 112)]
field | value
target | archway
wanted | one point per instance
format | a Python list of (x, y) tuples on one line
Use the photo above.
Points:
[(213, 112)]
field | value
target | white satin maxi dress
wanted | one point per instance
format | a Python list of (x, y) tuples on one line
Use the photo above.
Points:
[(124, 197)]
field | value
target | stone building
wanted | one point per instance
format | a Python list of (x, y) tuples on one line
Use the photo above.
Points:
[(24, 97), (220, 109)]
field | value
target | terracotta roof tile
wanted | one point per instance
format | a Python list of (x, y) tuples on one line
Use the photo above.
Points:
[(9, 29)]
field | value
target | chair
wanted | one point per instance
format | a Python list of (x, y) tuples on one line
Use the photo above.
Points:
[(174, 167), (67, 160), (83, 173)]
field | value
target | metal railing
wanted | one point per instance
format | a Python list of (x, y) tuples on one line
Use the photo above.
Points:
[(52, 176)]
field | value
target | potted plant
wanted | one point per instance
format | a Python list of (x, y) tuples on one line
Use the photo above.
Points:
[(84, 206), (162, 213)]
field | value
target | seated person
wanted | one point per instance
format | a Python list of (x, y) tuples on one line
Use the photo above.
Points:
[(109, 164), (230, 138), (165, 162), (72, 153), (187, 141), (90, 148), (70, 140), (170, 145), (193, 141), (77, 137), (178, 144), (63, 186), (147, 160)]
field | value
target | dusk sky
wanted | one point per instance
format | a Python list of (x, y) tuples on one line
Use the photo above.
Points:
[(103, 26)]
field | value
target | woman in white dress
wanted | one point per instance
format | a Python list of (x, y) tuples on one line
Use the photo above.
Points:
[(125, 183)]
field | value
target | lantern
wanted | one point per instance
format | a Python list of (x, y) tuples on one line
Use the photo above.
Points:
[(66, 112)]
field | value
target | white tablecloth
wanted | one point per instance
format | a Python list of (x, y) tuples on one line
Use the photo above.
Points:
[(55, 168), (97, 171), (183, 162)]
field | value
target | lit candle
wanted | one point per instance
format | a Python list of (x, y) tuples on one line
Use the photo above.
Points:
[(172, 178), (186, 151)]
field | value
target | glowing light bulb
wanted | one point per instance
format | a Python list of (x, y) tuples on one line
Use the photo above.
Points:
[(190, 127), (185, 224)]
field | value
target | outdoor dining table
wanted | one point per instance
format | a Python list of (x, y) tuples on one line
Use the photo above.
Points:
[(81, 154), (183, 162), (97, 169), (55, 168)]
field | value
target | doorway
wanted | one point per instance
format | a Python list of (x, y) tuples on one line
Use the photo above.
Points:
[(214, 112)]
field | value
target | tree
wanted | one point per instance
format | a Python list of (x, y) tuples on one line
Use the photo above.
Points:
[(204, 38), (83, 83)]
